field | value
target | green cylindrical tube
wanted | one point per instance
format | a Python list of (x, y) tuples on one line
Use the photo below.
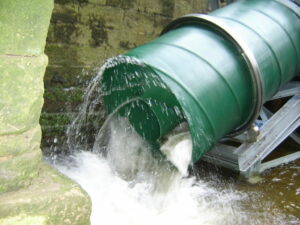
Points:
[(214, 71)]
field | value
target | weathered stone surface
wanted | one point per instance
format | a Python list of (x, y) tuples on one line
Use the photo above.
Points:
[(17, 171), (183, 7), (111, 15), (14, 144), (125, 4), (62, 55), (21, 92), (50, 199), (24, 220), (161, 22), (66, 57), (54, 130), (64, 23), (63, 100), (98, 2), (161, 7), (24, 33), (31, 192), (65, 13), (79, 2), (137, 24), (65, 77), (100, 21)]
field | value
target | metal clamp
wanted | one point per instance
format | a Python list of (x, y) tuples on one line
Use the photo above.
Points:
[(231, 35)]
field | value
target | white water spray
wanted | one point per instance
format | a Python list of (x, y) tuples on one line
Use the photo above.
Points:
[(130, 186)]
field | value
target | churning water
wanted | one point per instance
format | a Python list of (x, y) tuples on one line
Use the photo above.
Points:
[(131, 184)]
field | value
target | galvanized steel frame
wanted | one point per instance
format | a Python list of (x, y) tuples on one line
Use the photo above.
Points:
[(247, 158)]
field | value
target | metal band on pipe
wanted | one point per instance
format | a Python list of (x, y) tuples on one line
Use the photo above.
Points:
[(234, 37), (291, 5)]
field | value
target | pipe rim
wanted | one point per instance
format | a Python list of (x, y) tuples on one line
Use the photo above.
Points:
[(245, 52), (291, 5)]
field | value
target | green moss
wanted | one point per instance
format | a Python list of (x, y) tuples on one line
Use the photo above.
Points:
[(59, 94), (63, 32), (126, 45), (63, 2), (14, 144), (51, 196), (98, 29), (125, 4), (57, 133), (65, 76), (161, 22), (64, 25), (66, 16), (55, 119), (21, 92), (62, 54), (168, 7), (24, 219), (24, 26), (18, 171)]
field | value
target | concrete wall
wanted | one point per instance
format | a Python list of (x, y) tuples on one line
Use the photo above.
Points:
[(84, 33), (30, 191)]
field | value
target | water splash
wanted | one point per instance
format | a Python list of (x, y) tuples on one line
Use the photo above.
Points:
[(82, 131), (178, 150), (130, 185)]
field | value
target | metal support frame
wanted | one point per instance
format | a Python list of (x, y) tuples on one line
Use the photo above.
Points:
[(262, 138)]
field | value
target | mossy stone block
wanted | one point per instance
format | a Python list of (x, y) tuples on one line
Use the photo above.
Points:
[(50, 199), (69, 34), (139, 23), (62, 55), (17, 171), (14, 144), (183, 7), (97, 2), (21, 92), (77, 56), (161, 7), (24, 219), (60, 99), (24, 26), (67, 76), (125, 4), (64, 13), (98, 17)]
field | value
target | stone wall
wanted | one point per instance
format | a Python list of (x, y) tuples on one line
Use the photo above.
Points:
[(22, 68), (83, 34), (31, 192)]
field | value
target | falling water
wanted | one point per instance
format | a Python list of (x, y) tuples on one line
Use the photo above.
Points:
[(131, 183)]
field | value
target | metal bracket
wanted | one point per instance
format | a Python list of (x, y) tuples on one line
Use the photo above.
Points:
[(266, 135)]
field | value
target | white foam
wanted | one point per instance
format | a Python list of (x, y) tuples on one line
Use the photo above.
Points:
[(180, 201), (178, 150), (129, 186)]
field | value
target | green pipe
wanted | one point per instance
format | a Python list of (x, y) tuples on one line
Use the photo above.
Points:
[(214, 71)]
